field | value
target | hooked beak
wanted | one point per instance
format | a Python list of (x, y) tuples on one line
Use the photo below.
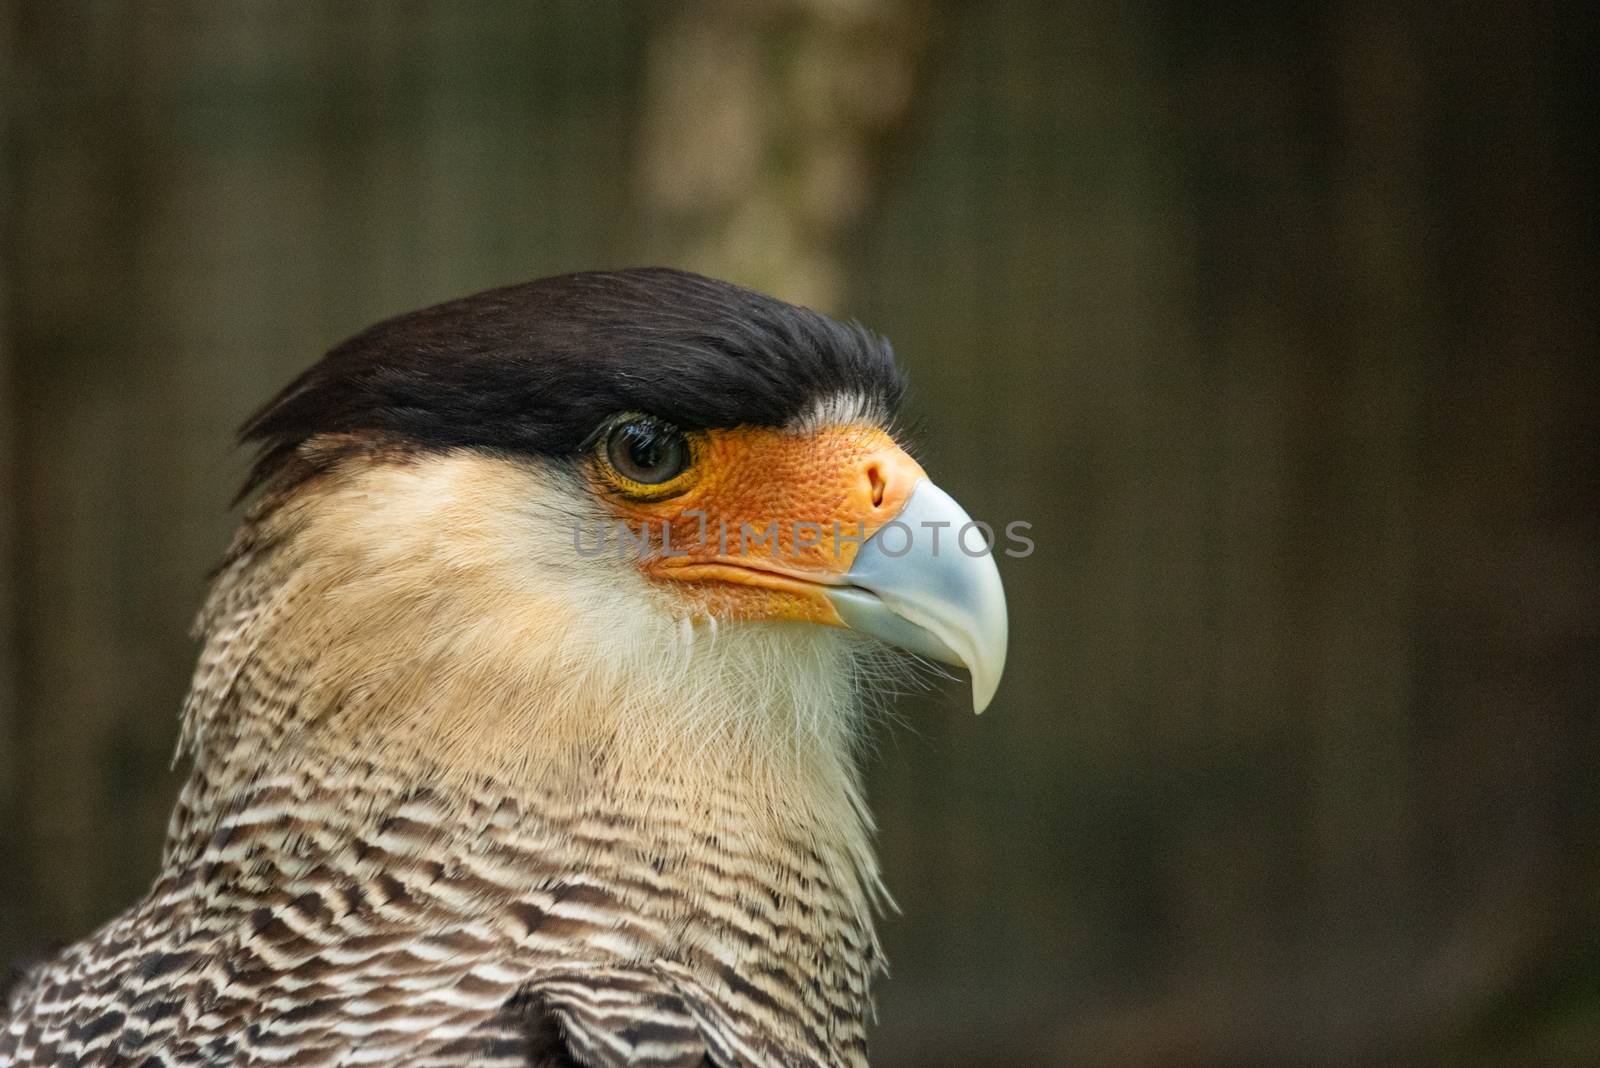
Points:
[(756, 545), (916, 585)]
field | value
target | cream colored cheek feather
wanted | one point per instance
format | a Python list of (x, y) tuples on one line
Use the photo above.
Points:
[(436, 615)]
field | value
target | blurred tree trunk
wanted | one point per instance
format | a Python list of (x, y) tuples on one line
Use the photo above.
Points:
[(760, 122)]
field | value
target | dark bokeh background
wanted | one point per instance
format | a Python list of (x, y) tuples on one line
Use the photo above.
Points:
[(1278, 324)]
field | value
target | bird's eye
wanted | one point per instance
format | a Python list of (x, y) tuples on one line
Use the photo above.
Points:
[(647, 451)]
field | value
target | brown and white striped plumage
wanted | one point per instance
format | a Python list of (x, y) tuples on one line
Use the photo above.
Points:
[(461, 795), (343, 884)]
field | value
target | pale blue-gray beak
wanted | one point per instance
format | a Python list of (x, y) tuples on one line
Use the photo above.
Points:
[(922, 583)]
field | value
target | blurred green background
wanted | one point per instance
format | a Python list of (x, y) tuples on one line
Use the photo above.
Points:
[(1277, 322)]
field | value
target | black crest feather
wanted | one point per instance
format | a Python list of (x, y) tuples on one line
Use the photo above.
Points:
[(538, 368)]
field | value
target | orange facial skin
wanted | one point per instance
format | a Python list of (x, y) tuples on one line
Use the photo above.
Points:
[(763, 519)]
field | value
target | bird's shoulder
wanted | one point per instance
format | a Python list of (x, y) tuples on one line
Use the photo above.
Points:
[(249, 993)]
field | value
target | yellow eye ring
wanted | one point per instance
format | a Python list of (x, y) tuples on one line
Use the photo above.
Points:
[(646, 458)]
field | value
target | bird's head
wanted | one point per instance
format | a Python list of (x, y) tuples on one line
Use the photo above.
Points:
[(639, 508)]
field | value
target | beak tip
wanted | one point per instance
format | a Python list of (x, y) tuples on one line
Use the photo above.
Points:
[(985, 681)]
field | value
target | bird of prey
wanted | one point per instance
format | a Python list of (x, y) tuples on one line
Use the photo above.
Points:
[(526, 725)]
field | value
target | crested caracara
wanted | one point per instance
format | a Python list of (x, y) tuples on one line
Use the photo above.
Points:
[(526, 725)]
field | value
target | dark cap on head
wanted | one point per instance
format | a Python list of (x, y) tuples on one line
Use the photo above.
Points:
[(538, 368)]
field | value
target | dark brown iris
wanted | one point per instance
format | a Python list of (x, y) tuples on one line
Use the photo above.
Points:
[(647, 451)]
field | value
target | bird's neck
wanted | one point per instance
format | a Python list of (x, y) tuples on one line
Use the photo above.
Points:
[(324, 660), (332, 732)]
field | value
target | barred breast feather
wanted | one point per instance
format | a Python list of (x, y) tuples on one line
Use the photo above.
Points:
[(354, 921), (341, 886)]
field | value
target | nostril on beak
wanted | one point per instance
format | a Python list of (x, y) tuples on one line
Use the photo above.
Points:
[(877, 483)]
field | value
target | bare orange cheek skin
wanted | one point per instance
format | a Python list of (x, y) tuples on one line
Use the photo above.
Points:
[(744, 602), (767, 502)]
